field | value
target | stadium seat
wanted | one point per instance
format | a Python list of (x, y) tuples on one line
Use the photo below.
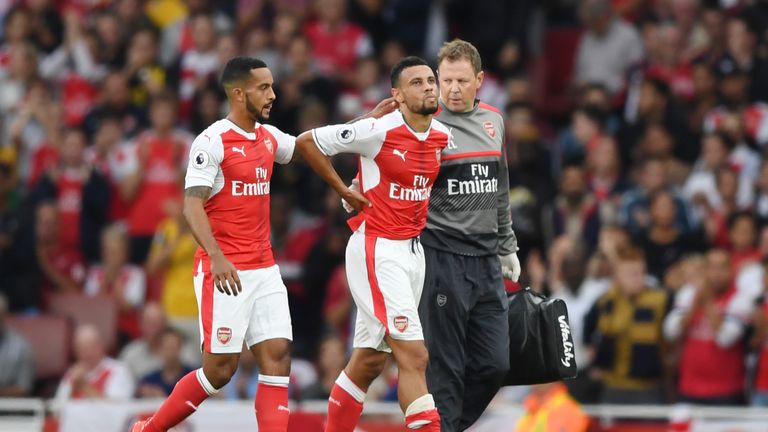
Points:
[(49, 338), (100, 311)]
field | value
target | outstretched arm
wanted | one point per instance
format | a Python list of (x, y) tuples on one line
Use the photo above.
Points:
[(321, 164)]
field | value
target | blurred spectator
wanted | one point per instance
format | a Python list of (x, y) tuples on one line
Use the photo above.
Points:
[(63, 268), (336, 43), (146, 76), (200, 64), (701, 186), (82, 195), (760, 205), (153, 185), (110, 38), (331, 359), (114, 277), (735, 115), (160, 383), (115, 99), (658, 142), (17, 29), (112, 157), (206, 108), (662, 241), (655, 106), (716, 219), (606, 179), (741, 43), (143, 355), (574, 210), (94, 375), (634, 211), (366, 91), (34, 133), (171, 260), (549, 408), (47, 28), (528, 158), (300, 85), (705, 97), (588, 128), (10, 201), (708, 323), (179, 34), (742, 236), (759, 340), (577, 284), (17, 372), (623, 330), (21, 71), (608, 47)]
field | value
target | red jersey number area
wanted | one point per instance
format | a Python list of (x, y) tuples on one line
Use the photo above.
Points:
[(398, 167), (237, 165)]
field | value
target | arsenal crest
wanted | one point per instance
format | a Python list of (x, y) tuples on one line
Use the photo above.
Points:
[(268, 144), (224, 334), (442, 299), (401, 323), (490, 129)]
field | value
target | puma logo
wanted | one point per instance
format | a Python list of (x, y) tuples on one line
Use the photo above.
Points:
[(191, 405), (399, 153), (334, 401), (240, 150)]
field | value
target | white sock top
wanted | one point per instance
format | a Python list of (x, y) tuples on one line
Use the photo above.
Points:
[(350, 387), (203, 380)]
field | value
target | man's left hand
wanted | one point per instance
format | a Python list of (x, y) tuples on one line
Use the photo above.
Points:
[(510, 266)]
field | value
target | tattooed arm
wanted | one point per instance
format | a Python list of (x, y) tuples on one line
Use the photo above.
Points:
[(224, 273)]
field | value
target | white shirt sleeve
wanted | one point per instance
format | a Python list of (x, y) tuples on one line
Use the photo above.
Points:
[(120, 385), (205, 158), (683, 303), (286, 145), (135, 287), (363, 137)]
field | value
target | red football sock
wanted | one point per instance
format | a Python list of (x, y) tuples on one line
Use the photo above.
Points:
[(426, 421), (187, 395), (272, 404), (344, 405)]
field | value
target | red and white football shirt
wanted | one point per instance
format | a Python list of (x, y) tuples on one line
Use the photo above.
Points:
[(163, 159), (237, 166), (398, 167)]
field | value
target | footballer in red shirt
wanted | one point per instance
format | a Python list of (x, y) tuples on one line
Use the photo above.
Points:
[(241, 296), (399, 161)]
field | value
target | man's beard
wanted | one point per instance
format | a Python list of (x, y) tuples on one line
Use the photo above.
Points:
[(426, 110), (253, 111)]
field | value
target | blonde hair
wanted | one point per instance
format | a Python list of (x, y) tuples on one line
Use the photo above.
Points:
[(458, 49)]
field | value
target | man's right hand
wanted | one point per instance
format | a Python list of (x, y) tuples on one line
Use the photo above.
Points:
[(225, 276), (355, 199)]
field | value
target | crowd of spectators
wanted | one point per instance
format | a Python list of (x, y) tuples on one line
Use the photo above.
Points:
[(641, 199)]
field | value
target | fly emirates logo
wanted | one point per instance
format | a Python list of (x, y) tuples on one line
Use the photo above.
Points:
[(260, 187), (419, 192), (479, 183)]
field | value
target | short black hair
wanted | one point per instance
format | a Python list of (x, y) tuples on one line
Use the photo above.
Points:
[(239, 68), (595, 115), (660, 86), (403, 64)]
